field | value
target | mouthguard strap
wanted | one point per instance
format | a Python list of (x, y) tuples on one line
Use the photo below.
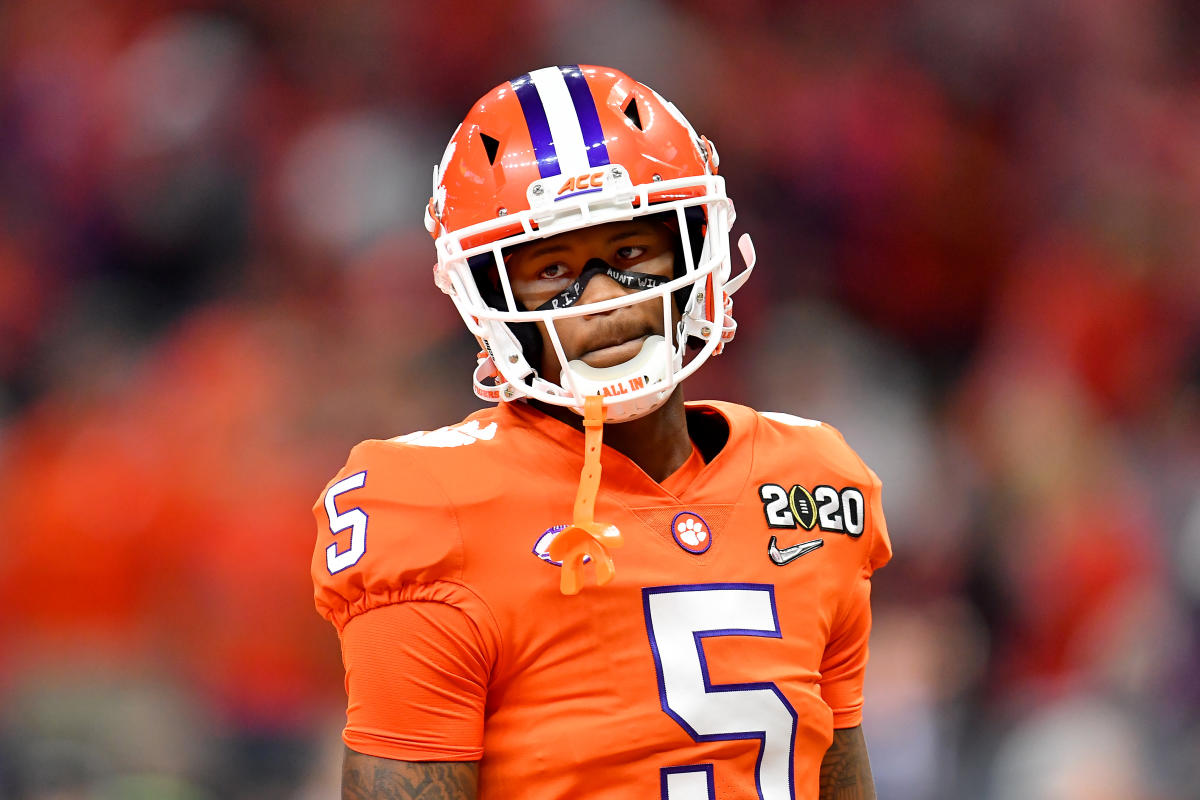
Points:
[(589, 479), (585, 537)]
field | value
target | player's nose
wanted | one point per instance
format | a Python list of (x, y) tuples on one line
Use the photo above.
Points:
[(600, 287)]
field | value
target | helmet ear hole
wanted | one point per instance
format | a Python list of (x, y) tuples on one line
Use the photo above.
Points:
[(631, 113)]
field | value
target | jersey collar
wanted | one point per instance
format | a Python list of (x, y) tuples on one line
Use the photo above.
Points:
[(722, 480)]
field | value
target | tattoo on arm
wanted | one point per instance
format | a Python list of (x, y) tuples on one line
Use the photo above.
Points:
[(846, 770), (370, 778)]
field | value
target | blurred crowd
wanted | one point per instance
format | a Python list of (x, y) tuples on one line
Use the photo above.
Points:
[(978, 225)]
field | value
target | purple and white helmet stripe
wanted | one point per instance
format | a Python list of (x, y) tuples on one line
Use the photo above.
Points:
[(564, 125)]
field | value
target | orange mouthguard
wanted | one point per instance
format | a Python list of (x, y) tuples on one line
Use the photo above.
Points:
[(585, 536)]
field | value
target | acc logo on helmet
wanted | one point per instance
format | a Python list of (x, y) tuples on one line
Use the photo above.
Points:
[(593, 180)]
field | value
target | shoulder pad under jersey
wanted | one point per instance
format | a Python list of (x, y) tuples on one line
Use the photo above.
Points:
[(386, 532), (813, 440)]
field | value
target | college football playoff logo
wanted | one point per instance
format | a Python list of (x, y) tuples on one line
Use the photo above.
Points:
[(827, 508)]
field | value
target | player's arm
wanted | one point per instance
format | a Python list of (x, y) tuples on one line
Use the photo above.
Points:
[(845, 770), (418, 645), (372, 778)]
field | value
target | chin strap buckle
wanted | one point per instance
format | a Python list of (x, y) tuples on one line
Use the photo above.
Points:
[(585, 537), (488, 383)]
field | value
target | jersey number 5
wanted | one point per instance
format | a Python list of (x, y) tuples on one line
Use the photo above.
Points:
[(678, 619), (354, 518)]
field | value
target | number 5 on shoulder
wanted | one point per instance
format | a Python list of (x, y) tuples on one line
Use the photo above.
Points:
[(354, 519)]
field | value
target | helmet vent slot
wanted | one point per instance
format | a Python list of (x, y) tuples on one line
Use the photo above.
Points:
[(491, 145), (631, 111)]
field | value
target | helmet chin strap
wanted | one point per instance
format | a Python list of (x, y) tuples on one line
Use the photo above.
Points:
[(586, 538), (650, 367)]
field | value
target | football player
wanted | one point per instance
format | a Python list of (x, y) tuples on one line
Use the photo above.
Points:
[(593, 589)]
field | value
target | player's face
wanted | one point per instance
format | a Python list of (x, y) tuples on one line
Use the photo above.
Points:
[(541, 270)]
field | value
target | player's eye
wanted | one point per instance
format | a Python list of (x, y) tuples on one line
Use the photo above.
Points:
[(552, 272), (631, 252)]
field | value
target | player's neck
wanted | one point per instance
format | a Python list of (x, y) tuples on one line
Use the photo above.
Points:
[(658, 442)]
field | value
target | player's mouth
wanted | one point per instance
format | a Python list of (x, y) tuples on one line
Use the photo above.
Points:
[(608, 355)]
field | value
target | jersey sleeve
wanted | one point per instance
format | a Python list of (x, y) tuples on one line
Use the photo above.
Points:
[(386, 533), (879, 547), (844, 663), (416, 679), (417, 641)]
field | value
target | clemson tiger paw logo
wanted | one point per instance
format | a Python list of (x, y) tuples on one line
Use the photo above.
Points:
[(691, 532)]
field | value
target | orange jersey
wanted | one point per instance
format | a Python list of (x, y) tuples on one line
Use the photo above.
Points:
[(718, 661)]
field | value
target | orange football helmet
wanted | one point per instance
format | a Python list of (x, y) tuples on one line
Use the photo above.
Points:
[(562, 148)]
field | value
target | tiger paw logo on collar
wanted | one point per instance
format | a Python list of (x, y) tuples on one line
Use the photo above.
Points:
[(691, 532)]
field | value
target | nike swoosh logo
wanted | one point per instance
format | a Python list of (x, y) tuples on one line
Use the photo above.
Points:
[(787, 554)]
